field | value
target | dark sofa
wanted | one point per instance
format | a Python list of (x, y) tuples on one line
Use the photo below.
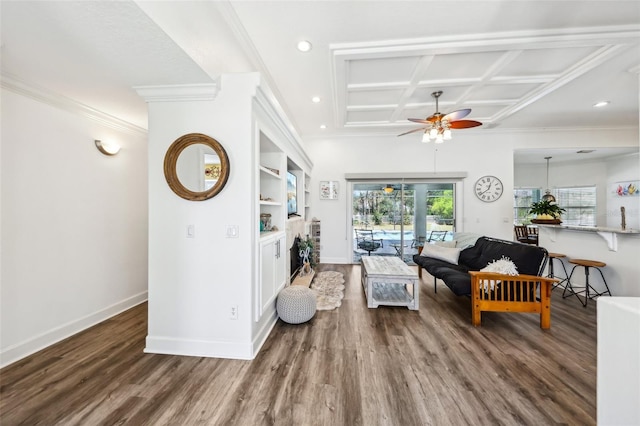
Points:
[(529, 259)]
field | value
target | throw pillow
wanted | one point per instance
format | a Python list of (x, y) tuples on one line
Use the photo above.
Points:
[(448, 254), (465, 239), (501, 266), (445, 243)]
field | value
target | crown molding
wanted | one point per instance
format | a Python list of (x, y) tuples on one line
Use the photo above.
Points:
[(270, 109), (179, 92), (342, 135), (62, 102), (589, 36)]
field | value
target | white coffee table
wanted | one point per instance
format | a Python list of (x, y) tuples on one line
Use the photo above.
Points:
[(387, 280)]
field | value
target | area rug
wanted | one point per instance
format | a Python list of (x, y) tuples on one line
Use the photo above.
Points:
[(328, 287)]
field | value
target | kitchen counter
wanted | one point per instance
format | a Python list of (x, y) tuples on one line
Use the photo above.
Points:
[(616, 247)]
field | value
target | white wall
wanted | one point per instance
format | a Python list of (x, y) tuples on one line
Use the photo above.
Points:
[(477, 153), (73, 222), (623, 169), (604, 174), (194, 282)]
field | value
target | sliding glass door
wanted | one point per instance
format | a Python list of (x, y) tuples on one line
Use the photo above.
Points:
[(395, 218)]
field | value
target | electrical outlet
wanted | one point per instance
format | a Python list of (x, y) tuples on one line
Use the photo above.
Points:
[(233, 313)]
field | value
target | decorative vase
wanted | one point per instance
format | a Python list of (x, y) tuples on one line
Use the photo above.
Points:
[(265, 222)]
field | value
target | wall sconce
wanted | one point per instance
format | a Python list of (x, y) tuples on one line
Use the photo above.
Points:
[(107, 148)]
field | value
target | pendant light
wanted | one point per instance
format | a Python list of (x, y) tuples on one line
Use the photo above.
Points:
[(388, 189), (547, 195)]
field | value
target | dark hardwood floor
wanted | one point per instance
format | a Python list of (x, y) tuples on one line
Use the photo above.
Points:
[(351, 366)]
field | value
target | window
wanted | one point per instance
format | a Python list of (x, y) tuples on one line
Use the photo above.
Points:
[(522, 200), (579, 203)]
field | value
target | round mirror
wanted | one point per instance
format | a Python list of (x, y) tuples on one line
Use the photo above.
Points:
[(196, 167)]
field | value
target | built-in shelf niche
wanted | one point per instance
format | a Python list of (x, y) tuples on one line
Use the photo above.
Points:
[(272, 172), (307, 195)]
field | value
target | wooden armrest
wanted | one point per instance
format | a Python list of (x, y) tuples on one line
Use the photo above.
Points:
[(514, 293), (504, 277)]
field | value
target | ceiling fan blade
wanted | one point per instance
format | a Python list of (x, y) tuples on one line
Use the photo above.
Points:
[(457, 115), (434, 117), (419, 120), (464, 124), (412, 131)]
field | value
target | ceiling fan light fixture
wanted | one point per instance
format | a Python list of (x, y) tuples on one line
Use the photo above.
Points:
[(425, 137), (439, 125)]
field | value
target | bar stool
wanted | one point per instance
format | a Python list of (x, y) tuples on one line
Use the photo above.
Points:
[(569, 289), (558, 257)]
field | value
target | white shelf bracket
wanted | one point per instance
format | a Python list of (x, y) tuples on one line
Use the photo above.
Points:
[(611, 238)]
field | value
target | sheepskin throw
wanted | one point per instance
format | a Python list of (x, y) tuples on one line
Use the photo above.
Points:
[(501, 266)]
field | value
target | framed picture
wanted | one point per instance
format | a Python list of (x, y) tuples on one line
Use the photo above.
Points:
[(328, 189)]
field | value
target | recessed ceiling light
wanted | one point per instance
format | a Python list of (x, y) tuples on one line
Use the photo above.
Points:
[(323, 126), (315, 99), (304, 46), (600, 104)]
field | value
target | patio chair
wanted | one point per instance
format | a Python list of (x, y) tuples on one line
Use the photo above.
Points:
[(366, 242), (437, 236), (419, 242)]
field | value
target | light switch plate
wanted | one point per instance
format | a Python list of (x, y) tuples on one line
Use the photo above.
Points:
[(232, 231)]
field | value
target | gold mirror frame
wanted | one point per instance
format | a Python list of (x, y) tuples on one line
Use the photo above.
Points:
[(171, 160)]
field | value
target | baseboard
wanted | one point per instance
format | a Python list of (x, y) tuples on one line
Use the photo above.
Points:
[(212, 349), (199, 348), (263, 334), (23, 349)]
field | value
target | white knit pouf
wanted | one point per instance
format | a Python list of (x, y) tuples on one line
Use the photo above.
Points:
[(296, 304)]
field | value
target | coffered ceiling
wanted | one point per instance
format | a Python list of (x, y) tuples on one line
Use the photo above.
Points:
[(373, 64), (516, 64), (497, 76)]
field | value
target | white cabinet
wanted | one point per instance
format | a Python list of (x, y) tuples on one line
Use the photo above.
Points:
[(272, 271), (618, 378)]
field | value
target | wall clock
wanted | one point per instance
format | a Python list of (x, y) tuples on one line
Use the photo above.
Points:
[(488, 188)]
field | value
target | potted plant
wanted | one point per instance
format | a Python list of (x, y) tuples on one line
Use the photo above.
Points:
[(546, 212)]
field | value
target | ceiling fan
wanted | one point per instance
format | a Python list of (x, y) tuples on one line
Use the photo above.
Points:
[(438, 126)]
